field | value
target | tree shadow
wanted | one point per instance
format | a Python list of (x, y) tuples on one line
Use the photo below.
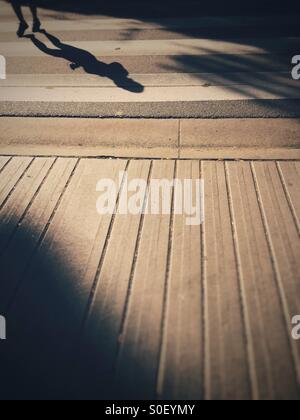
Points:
[(167, 8)]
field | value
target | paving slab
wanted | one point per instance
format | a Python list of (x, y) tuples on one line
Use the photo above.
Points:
[(91, 137)]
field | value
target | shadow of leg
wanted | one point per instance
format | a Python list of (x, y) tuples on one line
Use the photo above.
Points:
[(23, 26), (36, 21), (22, 29)]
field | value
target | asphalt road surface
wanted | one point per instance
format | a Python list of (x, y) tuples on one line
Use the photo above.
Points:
[(96, 65)]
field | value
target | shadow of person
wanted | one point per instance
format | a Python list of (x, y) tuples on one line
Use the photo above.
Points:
[(80, 58), (23, 26)]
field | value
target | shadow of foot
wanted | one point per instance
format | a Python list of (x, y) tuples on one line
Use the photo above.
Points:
[(22, 29), (36, 26)]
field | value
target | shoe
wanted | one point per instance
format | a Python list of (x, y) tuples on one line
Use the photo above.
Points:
[(22, 29)]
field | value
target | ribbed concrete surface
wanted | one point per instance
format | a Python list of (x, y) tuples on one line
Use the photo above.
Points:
[(143, 306)]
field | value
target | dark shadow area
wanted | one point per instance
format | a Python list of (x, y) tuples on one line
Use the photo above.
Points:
[(167, 8), (44, 300), (80, 58)]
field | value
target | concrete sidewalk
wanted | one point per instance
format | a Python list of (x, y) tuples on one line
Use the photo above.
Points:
[(151, 138), (143, 306)]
